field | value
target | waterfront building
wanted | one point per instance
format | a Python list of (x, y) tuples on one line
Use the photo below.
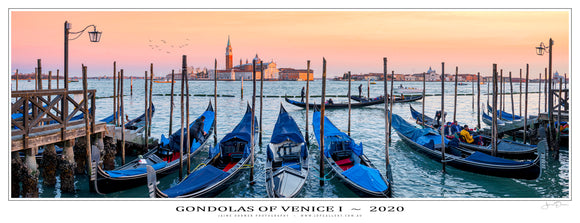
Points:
[(291, 74), (244, 71)]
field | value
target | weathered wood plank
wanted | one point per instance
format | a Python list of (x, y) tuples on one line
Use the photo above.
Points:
[(53, 136)]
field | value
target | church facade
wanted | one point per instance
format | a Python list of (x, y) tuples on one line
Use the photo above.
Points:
[(245, 70)]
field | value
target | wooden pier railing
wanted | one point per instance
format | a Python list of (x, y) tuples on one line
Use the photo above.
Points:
[(35, 112)]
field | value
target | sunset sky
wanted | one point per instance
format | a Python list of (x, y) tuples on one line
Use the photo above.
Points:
[(350, 40)]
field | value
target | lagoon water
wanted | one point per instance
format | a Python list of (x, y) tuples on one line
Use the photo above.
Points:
[(414, 175)]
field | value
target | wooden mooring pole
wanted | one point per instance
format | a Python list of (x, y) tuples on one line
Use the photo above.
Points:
[(188, 149), (478, 101), (150, 110), (242, 89), (494, 111), (540, 95), (473, 95), (455, 96), (17, 79), (261, 99), (386, 113), (521, 92), (512, 97), (87, 119), (392, 101), (322, 107), (145, 130), (183, 73), (57, 78), (443, 115), (215, 103), (349, 108), (423, 109), (122, 105), (171, 105), (253, 138), (501, 101), (526, 107), (307, 135), (115, 108)]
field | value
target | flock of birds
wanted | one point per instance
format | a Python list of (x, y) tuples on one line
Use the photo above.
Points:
[(166, 47)]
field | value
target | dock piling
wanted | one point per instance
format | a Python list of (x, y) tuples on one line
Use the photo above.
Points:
[(443, 115), (322, 105), (253, 122), (349, 108), (307, 136), (215, 104), (455, 96)]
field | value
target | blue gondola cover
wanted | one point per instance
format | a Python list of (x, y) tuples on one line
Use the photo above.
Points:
[(286, 129), (197, 180), (175, 138), (243, 130), (133, 172), (333, 134), (484, 158), (366, 177)]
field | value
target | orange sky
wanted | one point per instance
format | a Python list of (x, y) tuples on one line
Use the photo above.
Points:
[(353, 41)]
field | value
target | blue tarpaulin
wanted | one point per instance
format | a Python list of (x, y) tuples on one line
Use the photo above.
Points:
[(133, 172), (175, 138), (197, 180), (243, 130), (420, 136), (286, 129), (333, 134), (366, 177), (484, 158)]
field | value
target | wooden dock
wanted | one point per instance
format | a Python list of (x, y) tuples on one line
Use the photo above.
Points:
[(43, 118)]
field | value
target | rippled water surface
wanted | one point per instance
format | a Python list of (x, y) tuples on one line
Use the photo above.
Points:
[(414, 175)]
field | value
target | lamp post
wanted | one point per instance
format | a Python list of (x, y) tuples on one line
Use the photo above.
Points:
[(540, 51), (94, 36)]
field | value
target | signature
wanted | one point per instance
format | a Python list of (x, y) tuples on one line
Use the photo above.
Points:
[(556, 204)]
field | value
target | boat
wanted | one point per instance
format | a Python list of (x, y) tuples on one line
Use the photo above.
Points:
[(164, 159), (407, 90), (287, 158), (334, 105), (428, 142), (505, 148), (164, 81), (133, 124), (73, 80), (225, 164), (488, 120), (348, 162), (397, 99), (504, 115)]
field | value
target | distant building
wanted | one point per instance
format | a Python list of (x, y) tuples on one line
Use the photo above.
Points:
[(291, 74), (244, 71)]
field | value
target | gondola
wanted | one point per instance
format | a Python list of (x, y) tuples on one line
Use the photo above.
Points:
[(133, 124), (397, 99), (428, 141), (505, 148), (348, 162), (287, 158), (504, 115), (488, 120), (334, 105), (164, 159), (226, 161)]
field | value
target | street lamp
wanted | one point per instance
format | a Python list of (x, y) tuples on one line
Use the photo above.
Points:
[(540, 51), (94, 36)]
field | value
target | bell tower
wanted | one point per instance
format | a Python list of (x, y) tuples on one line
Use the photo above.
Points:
[(229, 56)]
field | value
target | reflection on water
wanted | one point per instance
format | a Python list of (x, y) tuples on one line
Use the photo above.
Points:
[(414, 175)]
